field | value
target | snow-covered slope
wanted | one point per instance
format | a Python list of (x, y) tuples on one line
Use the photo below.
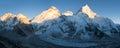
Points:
[(48, 14)]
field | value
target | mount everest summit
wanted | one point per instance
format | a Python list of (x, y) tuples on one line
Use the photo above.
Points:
[(52, 29)]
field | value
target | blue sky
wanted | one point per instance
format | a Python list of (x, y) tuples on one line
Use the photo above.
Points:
[(31, 8)]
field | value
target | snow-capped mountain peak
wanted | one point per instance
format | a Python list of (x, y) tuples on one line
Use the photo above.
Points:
[(22, 19), (68, 13), (20, 16), (6, 17), (48, 14), (86, 9)]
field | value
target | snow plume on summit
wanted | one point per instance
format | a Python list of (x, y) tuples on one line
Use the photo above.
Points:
[(48, 14)]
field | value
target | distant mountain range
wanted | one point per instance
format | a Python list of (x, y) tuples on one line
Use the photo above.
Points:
[(52, 29)]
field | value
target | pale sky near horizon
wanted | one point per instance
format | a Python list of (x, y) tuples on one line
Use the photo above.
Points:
[(31, 8)]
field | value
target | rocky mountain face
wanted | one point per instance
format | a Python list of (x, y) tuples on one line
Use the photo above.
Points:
[(51, 29)]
